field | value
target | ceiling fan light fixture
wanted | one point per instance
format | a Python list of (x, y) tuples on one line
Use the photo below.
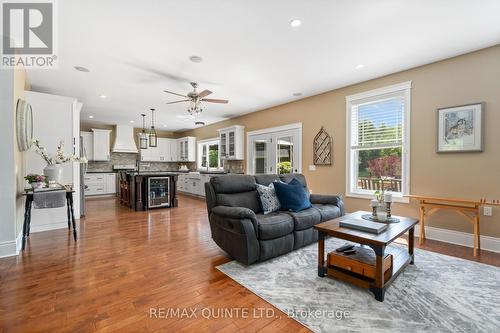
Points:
[(153, 137), (143, 138)]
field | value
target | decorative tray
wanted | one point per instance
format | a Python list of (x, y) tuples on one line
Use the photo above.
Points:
[(370, 217)]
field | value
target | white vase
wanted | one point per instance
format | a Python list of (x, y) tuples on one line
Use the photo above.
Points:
[(53, 173)]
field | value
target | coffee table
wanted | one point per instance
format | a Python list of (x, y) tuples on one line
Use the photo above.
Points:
[(380, 245)]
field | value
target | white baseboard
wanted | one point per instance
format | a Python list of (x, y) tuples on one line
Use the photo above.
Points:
[(49, 226), (460, 238), (11, 248)]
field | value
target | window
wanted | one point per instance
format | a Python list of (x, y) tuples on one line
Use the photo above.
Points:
[(208, 155), (378, 142)]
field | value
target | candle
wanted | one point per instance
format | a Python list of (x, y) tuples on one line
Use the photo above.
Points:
[(374, 203), (388, 197), (382, 216)]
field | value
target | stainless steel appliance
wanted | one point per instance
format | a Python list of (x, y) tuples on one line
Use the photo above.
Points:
[(83, 172), (158, 191)]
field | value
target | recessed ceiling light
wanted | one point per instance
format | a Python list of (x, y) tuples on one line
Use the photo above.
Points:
[(196, 59), (82, 69), (297, 94), (91, 117), (131, 121), (295, 23), (103, 96), (360, 66), (164, 125)]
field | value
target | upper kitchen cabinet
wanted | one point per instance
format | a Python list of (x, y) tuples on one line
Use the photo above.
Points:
[(87, 145), (101, 144), (186, 149), (231, 142), (166, 151)]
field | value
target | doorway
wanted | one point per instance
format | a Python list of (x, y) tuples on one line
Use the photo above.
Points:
[(275, 150)]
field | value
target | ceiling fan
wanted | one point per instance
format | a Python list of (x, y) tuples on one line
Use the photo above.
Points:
[(195, 98)]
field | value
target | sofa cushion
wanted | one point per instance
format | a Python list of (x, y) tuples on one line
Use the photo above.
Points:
[(328, 212), (265, 179), (268, 199), (248, 200), (233, 183), (289, 177), (292, 196), (305, 218), (274, 225)]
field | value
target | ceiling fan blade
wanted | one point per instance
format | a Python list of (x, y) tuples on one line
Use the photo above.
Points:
[(169, 92), (211, 100), (204, 93), (184, 100)]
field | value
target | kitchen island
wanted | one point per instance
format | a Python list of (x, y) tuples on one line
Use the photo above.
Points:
[(150, 189)]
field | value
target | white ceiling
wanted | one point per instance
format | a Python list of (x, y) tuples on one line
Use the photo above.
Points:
[(251, 54)]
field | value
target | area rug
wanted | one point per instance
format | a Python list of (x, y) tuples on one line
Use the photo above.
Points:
[(438, 294)]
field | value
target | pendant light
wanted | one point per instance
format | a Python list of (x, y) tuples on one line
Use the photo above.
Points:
[(153, 138), (143, 137)]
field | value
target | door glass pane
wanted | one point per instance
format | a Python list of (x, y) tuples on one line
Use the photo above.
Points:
[(284, 155), (260, 156)]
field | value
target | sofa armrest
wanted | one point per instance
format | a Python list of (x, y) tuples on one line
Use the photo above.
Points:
[(237, 213), (326, 199)]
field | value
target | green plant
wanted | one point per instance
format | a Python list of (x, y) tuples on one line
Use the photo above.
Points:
[(284, 168), (213, 158)]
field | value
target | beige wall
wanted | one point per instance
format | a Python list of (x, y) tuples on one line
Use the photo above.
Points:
[(469, 78)]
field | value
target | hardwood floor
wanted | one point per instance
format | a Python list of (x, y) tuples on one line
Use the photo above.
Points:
[(126, 264)]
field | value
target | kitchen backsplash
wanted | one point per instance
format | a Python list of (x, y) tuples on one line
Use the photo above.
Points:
[(233, 166), (131, 159), (116, 158), (165, 166)]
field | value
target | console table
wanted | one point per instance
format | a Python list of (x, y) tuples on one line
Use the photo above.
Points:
[(30, 194), (469, 209)]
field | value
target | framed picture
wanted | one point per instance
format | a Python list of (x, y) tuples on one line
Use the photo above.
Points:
[(461, 128)]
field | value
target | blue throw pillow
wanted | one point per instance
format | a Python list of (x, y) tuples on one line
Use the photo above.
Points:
[(292, 196)]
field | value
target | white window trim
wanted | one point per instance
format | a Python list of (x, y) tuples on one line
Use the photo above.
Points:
[(351, 176), (200, 152), (270, 130)]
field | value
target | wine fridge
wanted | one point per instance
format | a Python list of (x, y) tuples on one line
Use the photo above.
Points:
[(158, 192)]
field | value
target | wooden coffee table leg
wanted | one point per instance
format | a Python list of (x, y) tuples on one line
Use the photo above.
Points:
[(411, 242), (321, 254), (378, 288)]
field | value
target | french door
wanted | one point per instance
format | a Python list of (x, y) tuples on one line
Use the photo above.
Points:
[(276, 152)]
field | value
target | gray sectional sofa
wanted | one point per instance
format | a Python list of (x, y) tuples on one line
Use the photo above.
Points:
[(239, 227)]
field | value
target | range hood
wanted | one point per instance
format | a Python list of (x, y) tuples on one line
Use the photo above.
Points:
[(124, 141)]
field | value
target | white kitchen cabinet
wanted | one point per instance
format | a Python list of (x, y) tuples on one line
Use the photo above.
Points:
[(172, 150), (101, 144), (186, 149), (166, 151), (88, 145), (231, 142), (100, 183)]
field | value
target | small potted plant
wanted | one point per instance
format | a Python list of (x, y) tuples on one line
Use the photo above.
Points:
[(36, 181), (53, 170)]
